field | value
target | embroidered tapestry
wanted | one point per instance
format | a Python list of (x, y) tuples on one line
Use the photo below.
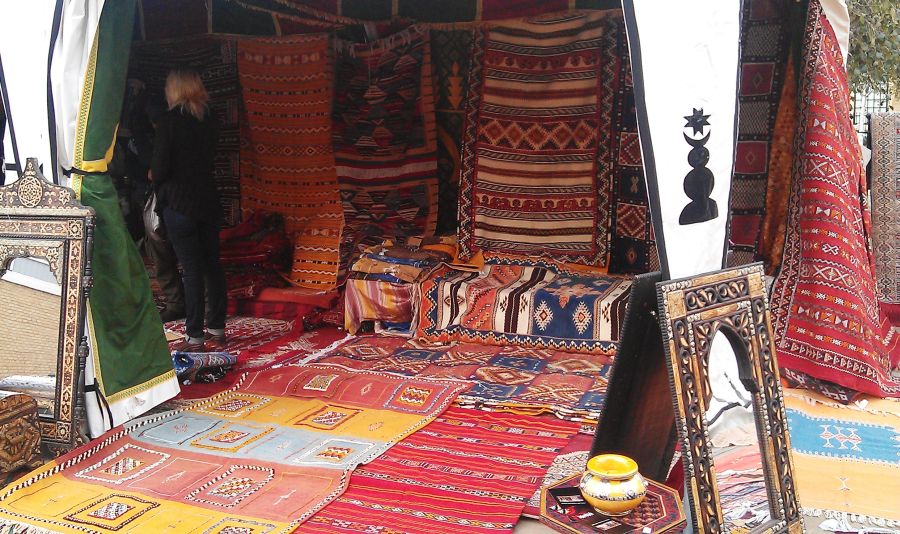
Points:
[(287, 163), (536, 159), (505, 378), (632, 244), (384, 140), (765, 38), (838, 451), (824, 308), (468, 471), (260, 458), (450, 53), (886, 210), (527, 303), (216, 61)]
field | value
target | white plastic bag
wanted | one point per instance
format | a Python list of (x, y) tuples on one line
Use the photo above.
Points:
[(152, 221)]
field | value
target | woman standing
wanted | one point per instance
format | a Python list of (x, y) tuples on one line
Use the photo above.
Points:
[(186, 196)]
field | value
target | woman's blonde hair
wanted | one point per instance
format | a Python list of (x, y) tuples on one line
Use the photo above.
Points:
[(184, 88)]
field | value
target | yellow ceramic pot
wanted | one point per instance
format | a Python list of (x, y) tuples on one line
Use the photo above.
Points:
[(612, 484)]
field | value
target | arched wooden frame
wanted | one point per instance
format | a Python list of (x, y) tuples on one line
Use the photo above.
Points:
[(694, 310), (42, 220)]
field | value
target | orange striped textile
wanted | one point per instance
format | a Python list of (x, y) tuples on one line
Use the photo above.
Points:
[(287, 164)]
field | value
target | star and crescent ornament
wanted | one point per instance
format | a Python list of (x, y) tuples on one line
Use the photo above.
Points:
[(697, 121)]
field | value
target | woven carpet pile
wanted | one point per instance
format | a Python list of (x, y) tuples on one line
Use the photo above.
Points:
[(384, 140), (260, 458), (287, 163), (824, 306), (506, 378)]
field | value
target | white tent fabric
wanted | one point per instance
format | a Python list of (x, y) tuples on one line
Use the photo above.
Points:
[(685, 58), (686, 87), (24, 51), (77, 31), (837, 14)]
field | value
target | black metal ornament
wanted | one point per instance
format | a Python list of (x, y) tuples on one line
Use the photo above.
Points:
[(699, 182)]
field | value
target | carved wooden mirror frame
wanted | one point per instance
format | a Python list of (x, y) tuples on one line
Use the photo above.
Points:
[(732, 302), (41, 220)]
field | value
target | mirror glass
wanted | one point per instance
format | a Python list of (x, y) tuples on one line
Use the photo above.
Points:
[(733, 435), (29, 321)]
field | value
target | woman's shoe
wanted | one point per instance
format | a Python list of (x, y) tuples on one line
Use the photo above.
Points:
[(190, 345)]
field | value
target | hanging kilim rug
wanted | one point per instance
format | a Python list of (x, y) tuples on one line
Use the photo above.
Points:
[(287, 165), (536, 161), (824, 308), (450, 53), (886, 210), (765, 37), (384, 140), (216, 61), (260, 458)]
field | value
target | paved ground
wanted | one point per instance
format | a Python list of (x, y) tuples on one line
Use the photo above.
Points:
[(30, 330)]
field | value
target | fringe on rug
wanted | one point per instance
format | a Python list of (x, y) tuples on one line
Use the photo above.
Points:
[(848, 522), (20, 528), (862, 405), (315, 355)]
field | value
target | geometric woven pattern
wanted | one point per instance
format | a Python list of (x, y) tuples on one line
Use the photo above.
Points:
[(384, 138), (287, 164), (450, 53), (536, 156), (886, 205), (469, 471), (525, 302), (216, 60), (632, 246), (764, 35), (510, 378), (268, 470), (825, 310)]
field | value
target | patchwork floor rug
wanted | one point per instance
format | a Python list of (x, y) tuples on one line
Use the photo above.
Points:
[(886, 209), (536, 163), (261, 458), (384, 140), (287, 163), (507, 378), (846, 459), (468, 471), (526, 303), (824, 306)]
